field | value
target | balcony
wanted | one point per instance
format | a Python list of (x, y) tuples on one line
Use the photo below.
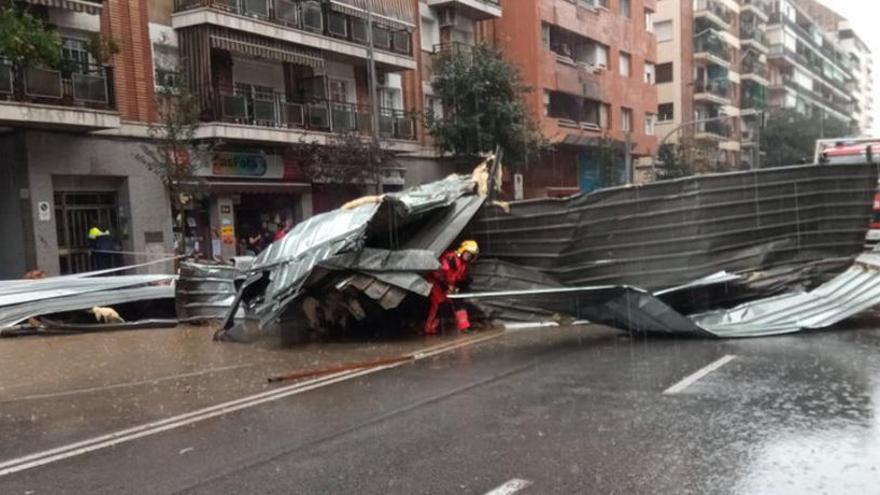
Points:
[(713, 13), (755, 38), (76, 97), (710, 48), (753, 96), (323, 26), (717, 130), (576, 113), (478, 10), (714, 91), (760, 8), (806, 38), (788, 82), (306, 116), (755, 71), (812, 64)]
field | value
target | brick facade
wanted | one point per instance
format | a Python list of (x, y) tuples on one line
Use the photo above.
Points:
[(126, 21)]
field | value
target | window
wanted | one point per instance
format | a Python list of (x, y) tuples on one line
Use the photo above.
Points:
[(75, 52), (625, 8), (338, 90), (663, 30), (165, 63), (625, 63), (649, 21), (664, 73), (649, 73), (626, 119), (649, 124), (665, 112), (545, 35)]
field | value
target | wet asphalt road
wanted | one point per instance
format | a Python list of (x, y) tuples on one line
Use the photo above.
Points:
[(569, 410)]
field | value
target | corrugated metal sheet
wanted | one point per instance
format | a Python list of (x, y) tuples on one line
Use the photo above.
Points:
[(668, 233), (636, 310), (280, 272), (848, 294)]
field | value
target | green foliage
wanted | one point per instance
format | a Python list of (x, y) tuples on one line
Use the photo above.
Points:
[(673, 163), (173, 153), (344, 158), (790, 137), (26, 41), (103, 49), (483, 106)]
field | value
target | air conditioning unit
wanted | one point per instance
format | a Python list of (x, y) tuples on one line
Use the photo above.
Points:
[(381, 78), (447, 17)]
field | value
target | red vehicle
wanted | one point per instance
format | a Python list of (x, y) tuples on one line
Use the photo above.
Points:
[(873, 236)]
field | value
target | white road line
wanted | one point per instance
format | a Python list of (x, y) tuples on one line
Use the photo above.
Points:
[(104, 441), (148, 381), (511, 486), (694, 377)]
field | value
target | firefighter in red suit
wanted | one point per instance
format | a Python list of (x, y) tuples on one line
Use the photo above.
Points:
[(453, 272)]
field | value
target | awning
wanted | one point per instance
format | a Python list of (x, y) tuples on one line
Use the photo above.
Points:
[(93, 8), (397, 14), (256, 187), (259, 47)]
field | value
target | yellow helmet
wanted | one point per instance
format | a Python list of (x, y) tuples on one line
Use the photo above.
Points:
[(469, 247)]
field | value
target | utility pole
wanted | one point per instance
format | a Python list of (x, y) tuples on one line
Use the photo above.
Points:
[(373, 83)]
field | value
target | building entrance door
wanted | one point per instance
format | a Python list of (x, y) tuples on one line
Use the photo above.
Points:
[(76, 213)]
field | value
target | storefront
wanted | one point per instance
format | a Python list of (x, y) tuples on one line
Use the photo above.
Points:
[(246, 197)]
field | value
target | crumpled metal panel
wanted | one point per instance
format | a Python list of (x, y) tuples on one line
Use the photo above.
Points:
[(636, 310), (12, 315), (668, 233), (288, 263), (848, 294), (28, 291)]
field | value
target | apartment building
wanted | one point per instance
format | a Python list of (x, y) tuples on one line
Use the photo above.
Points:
[(712, 67), (444, 26), (269, 73), (809, 70), (67, 161), (591, 64), (861, 61), (858, 54)]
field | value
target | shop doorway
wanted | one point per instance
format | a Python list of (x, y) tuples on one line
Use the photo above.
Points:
[(263, 215), (76, 213)]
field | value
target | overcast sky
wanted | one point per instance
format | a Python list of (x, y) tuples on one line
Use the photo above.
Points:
[(864, 15)]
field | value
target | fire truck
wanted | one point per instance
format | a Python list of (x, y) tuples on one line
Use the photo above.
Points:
[(863, 150)]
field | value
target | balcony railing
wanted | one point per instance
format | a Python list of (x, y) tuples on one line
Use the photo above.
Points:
[(753, 34), (313, 16), (719, 88), (843, 108), (815, 66), (715, 127), (715, 8), (806, 37), (756, 68), (760, 5), (74, 84), (713, 45), (275, 110)]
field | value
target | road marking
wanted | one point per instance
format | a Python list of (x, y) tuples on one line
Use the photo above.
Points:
[(149, 381), (109, 440), (694, 377), (511, 486)]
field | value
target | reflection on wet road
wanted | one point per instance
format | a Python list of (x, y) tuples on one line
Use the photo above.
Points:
[(554, 410)]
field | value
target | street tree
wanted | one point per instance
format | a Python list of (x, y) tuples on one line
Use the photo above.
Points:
[(790, 137), (483, 106), (26, 42), (344, 158), (173, 152)]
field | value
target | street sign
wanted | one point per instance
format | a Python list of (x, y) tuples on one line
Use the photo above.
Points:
[(45, 211)]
